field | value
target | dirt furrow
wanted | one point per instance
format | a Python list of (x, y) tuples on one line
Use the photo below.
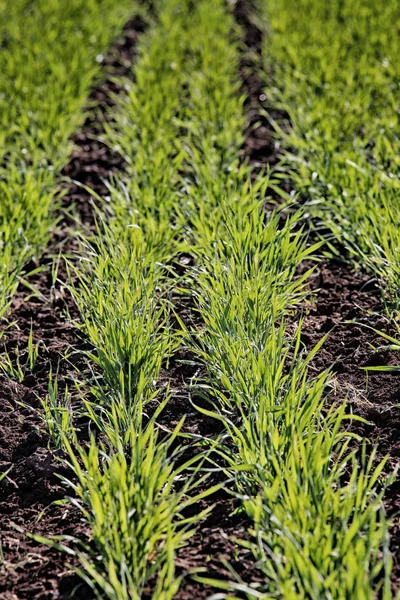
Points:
[(348, 307)]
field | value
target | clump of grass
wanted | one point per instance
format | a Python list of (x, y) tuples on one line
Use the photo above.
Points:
[(121, 286), (147, 131), (138, 506), (57, 414), (23, 362), (135, 502), (319, 526), (119, 290), (316, 507)]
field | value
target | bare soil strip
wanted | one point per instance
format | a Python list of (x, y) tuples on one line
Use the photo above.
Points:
[(261, 147)]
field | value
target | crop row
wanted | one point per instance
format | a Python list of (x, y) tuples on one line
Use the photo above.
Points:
[(335, 70), (51, 54)]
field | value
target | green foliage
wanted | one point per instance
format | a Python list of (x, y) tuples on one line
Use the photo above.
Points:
[(336, 71), (57, 414), (23, 363), (119, 291), (123, 283), (319, 528), (289, 454), (51, 54), (259, 256), (145, 128)]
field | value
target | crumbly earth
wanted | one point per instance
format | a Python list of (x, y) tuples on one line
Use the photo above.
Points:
[(32, 571), (349, 308)]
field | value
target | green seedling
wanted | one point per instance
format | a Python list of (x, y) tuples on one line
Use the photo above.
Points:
[(136, 502), (24, 362), (57, 414)]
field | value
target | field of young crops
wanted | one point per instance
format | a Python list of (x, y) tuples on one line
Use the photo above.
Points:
[(199, 299)]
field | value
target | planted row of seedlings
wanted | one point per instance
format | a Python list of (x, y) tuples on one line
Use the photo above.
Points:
[(51, 56), (333, 71), (310, 489)]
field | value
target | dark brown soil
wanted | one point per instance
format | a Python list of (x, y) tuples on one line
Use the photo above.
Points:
[(261, 147), (92, 162), (349, 307)]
